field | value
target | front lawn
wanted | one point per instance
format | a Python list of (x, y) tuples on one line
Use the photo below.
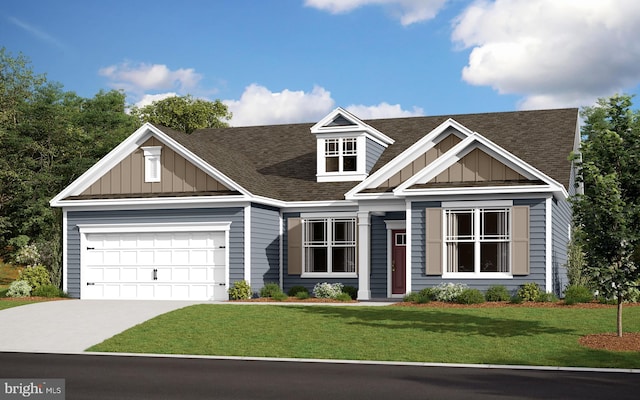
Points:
[(506, 335)]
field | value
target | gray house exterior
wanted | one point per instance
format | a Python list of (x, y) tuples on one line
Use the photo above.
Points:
[(387, 206)]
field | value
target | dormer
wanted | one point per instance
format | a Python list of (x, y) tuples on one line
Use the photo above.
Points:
[(347, 148)]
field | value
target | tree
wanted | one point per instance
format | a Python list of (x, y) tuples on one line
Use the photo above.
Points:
[(184, 113), (607, 214)]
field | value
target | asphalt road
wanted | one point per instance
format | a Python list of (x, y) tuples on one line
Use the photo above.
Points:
[(120, 377)]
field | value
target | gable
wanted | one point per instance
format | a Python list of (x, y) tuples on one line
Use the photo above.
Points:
[(478, 166), (178, 176)]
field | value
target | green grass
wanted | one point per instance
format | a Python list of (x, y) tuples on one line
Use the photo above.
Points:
[(511, 335)]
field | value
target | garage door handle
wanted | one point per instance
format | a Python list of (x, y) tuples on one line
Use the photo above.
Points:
[(90, 283), (155, 274)]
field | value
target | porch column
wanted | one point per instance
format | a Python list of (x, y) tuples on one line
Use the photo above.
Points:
[(364, 268)]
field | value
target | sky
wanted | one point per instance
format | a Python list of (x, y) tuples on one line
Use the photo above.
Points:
[(289, 61)]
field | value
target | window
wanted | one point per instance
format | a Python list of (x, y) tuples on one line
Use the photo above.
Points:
[(340, 155), (152, 163), (329, 245), (478, 240)]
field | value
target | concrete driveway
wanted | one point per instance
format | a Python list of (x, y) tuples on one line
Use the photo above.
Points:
[(71, 326)]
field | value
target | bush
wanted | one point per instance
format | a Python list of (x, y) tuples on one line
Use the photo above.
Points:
[(293, 292), (35, 276), (327, 290), (47, 291), (547, 298), (428, 293), (240, 291), (529, 291), (351, 291), (19, 288), (449, 292), (577, 294), (423, 299), (497, 293), (302, 295), (343, 297), (279, 296), (470, 296), (270, 289), (27, 255), (515, 299), (411, 297)]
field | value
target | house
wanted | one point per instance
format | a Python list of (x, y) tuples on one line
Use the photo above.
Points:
[(388, 206)]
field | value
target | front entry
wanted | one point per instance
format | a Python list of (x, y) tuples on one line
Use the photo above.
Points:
[(398, 261)]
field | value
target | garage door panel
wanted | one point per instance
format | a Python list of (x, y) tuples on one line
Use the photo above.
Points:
[(155, 265)]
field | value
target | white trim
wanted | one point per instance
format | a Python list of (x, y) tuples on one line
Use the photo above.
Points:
[(358, 126), (65, 255), (548, 245), (501, 190), (395, 224), (364, 249), (247, 244), (337, 214), (334, 275), (281, 249), (474, 204), (155, 227), (392, 225), (476, 275), (409, 246), (152, 166)]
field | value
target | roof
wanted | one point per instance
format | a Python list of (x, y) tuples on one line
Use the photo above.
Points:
[(279, 161)]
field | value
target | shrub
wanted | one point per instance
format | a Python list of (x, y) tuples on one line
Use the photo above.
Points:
[(343, 297), (327, 290), (515, 299), (297, 289), (47, 291), (270, 289), (529, 291), (351, 291), (35, 276), (240, 291), (411, 297), (577, 294), (279, 296), (470, 296), (497, 293), (448, 292), (302, 295), (429, 293), (547, 298), (423, 299), (27, 255), (19, 288)]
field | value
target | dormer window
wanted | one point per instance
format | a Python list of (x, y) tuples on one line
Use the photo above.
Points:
[(347, 148), (152, 163), (341, 155)]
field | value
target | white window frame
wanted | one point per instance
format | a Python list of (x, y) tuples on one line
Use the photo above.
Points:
[(329, 243), (477, 238), (152, 167), (341, 151)]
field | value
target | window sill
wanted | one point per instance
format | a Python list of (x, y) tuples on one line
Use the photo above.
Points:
[(329, 275), (477, 275)]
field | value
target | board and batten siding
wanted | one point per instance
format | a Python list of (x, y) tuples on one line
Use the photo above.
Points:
[(296, 280), (378, 257), (265, 246), (537, 264), (234, 215), (561, 225)]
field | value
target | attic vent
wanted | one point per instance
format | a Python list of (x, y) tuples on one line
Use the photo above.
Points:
[(152, 163), (340, 121)]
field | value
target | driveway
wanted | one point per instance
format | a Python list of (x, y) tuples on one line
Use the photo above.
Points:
[(71, 326)]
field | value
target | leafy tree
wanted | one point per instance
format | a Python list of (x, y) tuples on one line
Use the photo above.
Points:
[(184, 113), (608, 212)]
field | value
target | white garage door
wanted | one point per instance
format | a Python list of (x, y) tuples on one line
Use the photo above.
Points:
[(154, 265)]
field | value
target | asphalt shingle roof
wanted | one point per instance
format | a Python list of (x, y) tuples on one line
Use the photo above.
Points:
[(279, 161)]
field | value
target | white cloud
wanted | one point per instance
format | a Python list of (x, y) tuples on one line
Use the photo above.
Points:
[(383, 110), (408, 11), (259, 106), (142, 77), (150, 98), (554, 53)]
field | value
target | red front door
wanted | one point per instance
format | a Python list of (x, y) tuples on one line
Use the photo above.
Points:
[(398, 261)]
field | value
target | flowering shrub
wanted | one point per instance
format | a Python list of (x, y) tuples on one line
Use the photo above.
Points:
[(28, 255), (35, 276), (327, 290), (448, 292), (529, 291), (19, 289)]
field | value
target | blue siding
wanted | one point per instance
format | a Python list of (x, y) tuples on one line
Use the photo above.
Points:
[(561, 211), (233, 215), (374, 151), (295, 280), (378, 277), (265, 246), (536, 250)]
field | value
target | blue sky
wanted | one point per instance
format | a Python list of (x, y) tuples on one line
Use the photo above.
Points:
[(283, 61)]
